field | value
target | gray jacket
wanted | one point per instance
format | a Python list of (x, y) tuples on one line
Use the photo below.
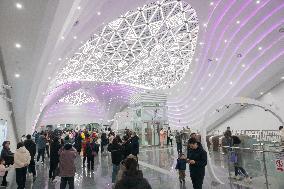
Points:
[(41, 143)]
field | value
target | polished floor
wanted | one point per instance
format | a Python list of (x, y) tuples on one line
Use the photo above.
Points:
[(157, 164)]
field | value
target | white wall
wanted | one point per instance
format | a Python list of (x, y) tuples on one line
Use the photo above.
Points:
[(5, 115), (257, 118)]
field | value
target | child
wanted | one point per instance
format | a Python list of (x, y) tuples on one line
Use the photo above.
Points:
[(181, 167), (3, 169)]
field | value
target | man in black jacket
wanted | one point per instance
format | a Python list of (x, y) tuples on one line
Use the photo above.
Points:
[(116, 157), (30, 145), (197, 159)]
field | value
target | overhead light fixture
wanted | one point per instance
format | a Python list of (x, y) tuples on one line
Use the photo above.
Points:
[(261, 93), (201, 88), (17, 75), (216, 59), (78, 7), (205, 25), (75, 37), (62, 37), (231, 82), (243, 65), (282, 77), (196, 59), (225, 40), (257, 2), (238, 22), (209, 75), (259, 48), (49, 78), (18, 45), (59, 59), (98, 13), (49, 63), (19, 5), (211, 3)]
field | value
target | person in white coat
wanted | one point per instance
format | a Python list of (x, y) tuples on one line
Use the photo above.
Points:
[(22, 159)]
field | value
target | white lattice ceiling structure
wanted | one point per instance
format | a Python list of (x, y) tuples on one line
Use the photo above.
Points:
[(78, 98), (151, 47)]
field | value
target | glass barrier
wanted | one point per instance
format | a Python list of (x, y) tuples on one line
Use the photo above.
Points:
[(259, 167)]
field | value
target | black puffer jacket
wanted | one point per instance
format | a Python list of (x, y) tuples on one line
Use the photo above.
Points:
[(116, 153), (133, 182), (200, 157), (31, 147)]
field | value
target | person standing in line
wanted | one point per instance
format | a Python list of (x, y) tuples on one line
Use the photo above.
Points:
[(30, 145), (22, 159), (67, 167), (179, 142), (8, 156), (116, 157), (134, 144), (41, 145), (197, 159), (55, 146), (169, 132), (47, 144)]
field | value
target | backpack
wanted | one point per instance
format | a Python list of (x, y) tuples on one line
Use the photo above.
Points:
[(236, 140)]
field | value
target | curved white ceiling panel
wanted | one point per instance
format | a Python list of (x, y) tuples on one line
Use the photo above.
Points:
[(151, 47)]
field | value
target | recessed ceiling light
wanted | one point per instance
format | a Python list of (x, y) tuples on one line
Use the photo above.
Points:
[(238, 22), (231, 83), (211, 3), (261, 93), (18, 45), (17, 75), (49, 78), (225, 40), (201, 88), (191, 72), (81, 42), (75, 37), (216, 59), (201, 43), (19, 5), (62, 37), (205, 25), (243, 65), (257, 2), (49, 63), (59, 59), (282, 77), (98, 13), (209, 75), (78, 7), (259, 48)]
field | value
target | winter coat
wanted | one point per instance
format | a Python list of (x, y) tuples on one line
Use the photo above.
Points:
[(3, 170), (178, 138), (199, 155), (31, 147), (134, 181), (127, 149), (181, 164), (116, 153), (54, 149), (41, 143), (135, 145), (7, 155), (67, 161), (22, 157)]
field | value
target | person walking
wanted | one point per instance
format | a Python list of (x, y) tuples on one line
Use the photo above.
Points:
[(197, 159), (30, 145), (67, 167), (22, 159), (181, 167), (8, 156), (90, 154), (134, 144), (179, 142), (41, 145), (169, 132), (132, 177), (55, 146), (116, 157)]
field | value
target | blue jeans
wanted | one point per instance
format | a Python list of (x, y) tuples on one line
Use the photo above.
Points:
[(115, 169)]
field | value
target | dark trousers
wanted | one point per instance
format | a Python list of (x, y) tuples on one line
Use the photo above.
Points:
[(40, 152), (90, 162), (53, 170), (169, 140), (84, 161), (47, 150), (21, 177), (65, 180), (31, 167), (240, 171), (179, 148), (4, 181), (197, 181)]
